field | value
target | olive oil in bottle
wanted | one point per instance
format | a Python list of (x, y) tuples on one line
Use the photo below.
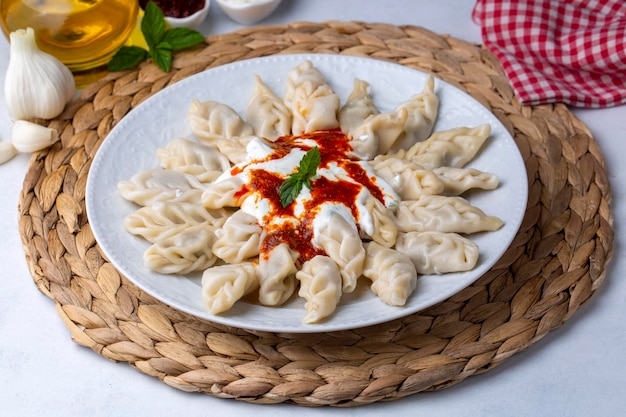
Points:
[(83, 34)]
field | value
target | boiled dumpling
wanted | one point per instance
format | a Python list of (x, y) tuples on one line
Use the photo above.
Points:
[(458, 180), (407, 178), (422, 112), (393, 275), (277, 274), (161, 220), (313, 103), (358, 107), (453, 147), (340, 239), (438, 253), (211, 121), (266, 113), (377, 134), (239, 238), (204, 162), (156, 185), (444, 214), (380, 225), (320, 285), (224, 285), (225, 192), (184, 252)]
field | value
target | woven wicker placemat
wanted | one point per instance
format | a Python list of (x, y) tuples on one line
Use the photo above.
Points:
[(555, 263)]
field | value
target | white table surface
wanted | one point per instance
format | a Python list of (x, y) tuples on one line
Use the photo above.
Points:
[(578, 369)]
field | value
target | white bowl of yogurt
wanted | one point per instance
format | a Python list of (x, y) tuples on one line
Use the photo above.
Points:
[(248, 12)]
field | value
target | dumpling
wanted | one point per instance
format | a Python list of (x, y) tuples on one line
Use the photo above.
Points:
[(277, 274), (224, 285), (340, 240), (161, 220), (312, 102), (320, 285), (314, 111), (377, 134), (204, 162), (444, 214), (225, 192), (305, 75), (411, 121), (379, 225), (422, 112), (182, 253), (458, 180), (438, 253), (157, 185), (358, 107), (211, 120), (393, 275), (364, 143), (235, 148), (238, 239), (408, 179), (452, 148), (266, 113)]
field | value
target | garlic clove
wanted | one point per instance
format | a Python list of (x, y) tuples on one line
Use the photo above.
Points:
[(7, 152), (37, 85), (30, 137)]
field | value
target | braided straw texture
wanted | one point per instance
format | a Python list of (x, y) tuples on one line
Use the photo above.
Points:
[(555, 263)]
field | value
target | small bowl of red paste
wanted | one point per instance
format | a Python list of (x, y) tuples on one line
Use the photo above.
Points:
[(182, 13)]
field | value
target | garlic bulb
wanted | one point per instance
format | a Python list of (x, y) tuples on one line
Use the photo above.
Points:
[(30, 137), (36, 84), (7, 151)]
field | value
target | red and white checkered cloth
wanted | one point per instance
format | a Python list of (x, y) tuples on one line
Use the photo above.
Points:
[(570, 51)]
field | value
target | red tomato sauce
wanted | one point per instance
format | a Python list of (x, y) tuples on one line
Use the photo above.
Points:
[(297, 232)]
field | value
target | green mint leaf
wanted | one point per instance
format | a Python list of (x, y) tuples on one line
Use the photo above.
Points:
[(289, 190), (162, 56), (309, 163), (291, 187), (127, 57), (153, 25), (181, 38)]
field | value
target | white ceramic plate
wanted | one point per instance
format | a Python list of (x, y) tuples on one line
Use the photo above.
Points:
[(131, 147)]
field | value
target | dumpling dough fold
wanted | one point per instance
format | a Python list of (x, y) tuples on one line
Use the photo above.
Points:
[(313, 103), (340, 239), (444, 214), (458, 180), (422, 112), (358, 107), (161, 220), (320, 285), (407, 178), (266, 113), (393, 275), (438, 253), (187, 251), (277, 272), (203, 162), (453, 147), (157, 185), (239, 238), (211, 121), (224, 285)]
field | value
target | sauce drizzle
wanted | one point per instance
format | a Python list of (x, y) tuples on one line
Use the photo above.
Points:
[(340, 180)]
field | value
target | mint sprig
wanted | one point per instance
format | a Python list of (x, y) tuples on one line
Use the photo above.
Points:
[(291, 187), (161, 42)]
